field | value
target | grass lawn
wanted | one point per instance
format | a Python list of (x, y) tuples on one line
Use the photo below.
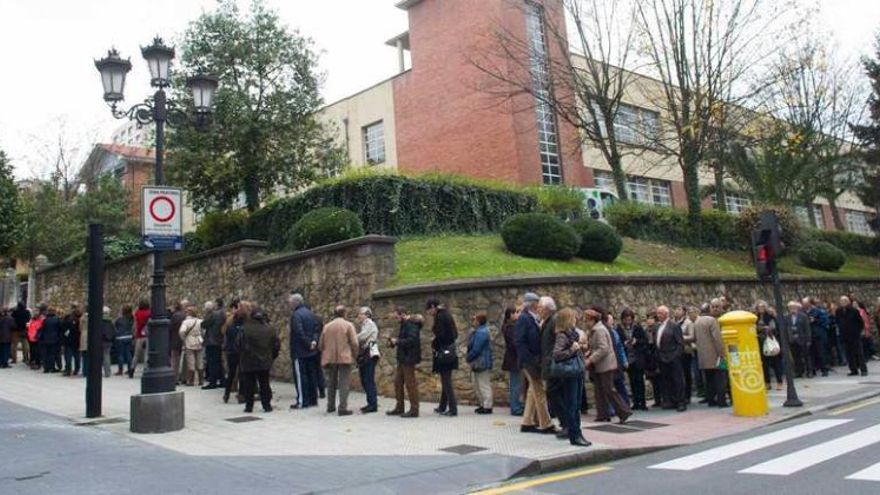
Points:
[(430, 259)]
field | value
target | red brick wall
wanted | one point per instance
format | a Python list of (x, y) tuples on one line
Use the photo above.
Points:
[(445, 122)]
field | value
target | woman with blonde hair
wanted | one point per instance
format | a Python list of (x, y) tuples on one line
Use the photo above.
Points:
[(567, 355), (603, 362), (193, 339)]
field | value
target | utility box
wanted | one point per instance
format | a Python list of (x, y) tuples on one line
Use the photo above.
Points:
[(744, 367)]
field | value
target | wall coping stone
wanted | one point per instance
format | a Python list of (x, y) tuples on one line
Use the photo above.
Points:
[(537, 280), (246, 243), (297, 255)]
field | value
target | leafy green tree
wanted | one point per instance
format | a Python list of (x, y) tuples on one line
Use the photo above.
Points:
[(868, 133), (49, 225), (10, 209), (264, 137), (106, 201)]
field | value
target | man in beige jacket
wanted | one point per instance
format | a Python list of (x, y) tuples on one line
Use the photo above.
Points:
[(339, 347), (710, 353)]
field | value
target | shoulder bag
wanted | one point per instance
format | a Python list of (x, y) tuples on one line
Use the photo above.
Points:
[(568, 368)]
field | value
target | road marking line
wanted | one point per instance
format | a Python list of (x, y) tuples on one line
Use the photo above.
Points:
[(522, 485), (816, 454), (724, 452), (854, 407), (870, 474)]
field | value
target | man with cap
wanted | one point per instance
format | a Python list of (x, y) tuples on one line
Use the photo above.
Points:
[(527, 338)]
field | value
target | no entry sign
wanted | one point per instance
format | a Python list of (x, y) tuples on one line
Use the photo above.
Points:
[(162, 226)]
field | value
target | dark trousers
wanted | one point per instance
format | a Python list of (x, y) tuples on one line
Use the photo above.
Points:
[(320, 381), (405, 378), (232, 377), (620, 386), (819, 350), (855, 355), (716, 388), (124, 353), (607, 399), (367, 372), (687, 364), (657, 388), (249, 381), (447, 393), (672, 376), (5, 354), (803, 363), (637, 384), (214, 362), (71, 359), (305, 379), (774, 363), (554, 400), (570, 391), (51, 357), (36, 353)]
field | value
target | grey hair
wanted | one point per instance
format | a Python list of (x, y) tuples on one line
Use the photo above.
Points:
[(547, 302), (297, 299), (365, 310), (209, 305)]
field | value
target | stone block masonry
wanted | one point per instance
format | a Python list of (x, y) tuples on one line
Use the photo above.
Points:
[(360, 271)]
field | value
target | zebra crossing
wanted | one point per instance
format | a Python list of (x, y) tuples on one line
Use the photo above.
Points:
[(790, 463)]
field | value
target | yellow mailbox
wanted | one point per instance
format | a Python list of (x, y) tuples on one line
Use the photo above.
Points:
[(744, 363)]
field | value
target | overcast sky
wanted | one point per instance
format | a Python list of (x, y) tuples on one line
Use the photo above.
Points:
[(47, 47)]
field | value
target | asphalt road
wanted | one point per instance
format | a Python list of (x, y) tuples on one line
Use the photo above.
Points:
[(837, 453)]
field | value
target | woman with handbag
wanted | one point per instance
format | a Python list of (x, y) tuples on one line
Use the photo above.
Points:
[(771, 357), (368, 356), (445, 355), (191, 335), (567, 366), (479, 357), (603, 362)]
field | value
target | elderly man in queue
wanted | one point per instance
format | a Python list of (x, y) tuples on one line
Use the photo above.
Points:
[(339, 347), (670, 347), (304, 334), (527, 339), (710, 352)]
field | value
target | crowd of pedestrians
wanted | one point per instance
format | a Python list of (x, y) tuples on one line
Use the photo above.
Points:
[(550, 354)]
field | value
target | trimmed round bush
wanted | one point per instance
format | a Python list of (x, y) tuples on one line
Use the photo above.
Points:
[(599, 241), (324, 226), (821, 255), (540, 235)]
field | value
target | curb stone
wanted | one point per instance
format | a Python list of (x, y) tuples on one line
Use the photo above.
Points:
[(818, 409), (580, 459)]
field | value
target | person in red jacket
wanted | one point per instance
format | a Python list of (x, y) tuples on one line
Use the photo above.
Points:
[(141, 316), (33, 330)]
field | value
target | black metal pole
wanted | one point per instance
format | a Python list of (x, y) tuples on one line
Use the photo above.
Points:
[(95, 308), (791, 399), (158, 376)]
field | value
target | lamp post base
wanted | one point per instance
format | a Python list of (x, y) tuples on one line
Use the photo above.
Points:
[(157, 413)]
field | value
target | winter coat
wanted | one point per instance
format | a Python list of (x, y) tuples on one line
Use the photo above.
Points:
[(671, 345), (33, 328), (369, 333), (409, 344), (819, 322), (70, 330), (850, 323), (338, 343), (108, 331), (511, 361), (191, 333), (230, 342), (527, 339), (479, 349), (141, 317), (548, 338), (562, 346), (124, 327), (798, 327), (710, 346), (445, 335), (22, 317), (601, 358), (212, 326), (258, 345), (50, 333), (304, 330), (635, 341)]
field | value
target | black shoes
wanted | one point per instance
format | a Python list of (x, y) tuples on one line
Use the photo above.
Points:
[(483, 410), (450, 414), (394, 412), (562, 433), (331, 410), (581, 442), (864, 373), (210, 386), (410, 414), (344, 412), (528, 429), (548, 431), (368, 409)]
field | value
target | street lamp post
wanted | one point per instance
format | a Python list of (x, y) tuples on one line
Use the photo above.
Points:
[(158, 375)]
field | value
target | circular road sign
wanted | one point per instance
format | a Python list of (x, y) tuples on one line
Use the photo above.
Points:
[(162, 209)]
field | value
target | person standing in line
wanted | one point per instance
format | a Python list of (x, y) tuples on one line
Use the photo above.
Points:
[(124, 327), (7, 323), (22, 316), (851, 328), (84, 343), (635, 341), (710, 354), (601, 359), (566, 346), (215, 317), (33, 333), (70, 340), (108, 335), (622, 361), (527, 336), (191, 334), (258, 346), (303, 352), (798, 327), (818, 318), (510, 364), (680, 317), (175, 344), (445, 359), (547, 308), (867, 340), (766, 326), (479, 357), (409, 354), (231, 329), (670, 347), (141, 317), (368, 356), (338, 345), (50, 342)]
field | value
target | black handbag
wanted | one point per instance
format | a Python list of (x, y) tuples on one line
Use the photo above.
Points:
[(568, 368), (446, 355)]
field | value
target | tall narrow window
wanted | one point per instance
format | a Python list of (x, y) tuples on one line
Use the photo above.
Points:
[(374, 143), (548, 135)]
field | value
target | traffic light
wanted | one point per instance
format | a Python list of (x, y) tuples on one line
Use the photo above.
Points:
[(766, 245)]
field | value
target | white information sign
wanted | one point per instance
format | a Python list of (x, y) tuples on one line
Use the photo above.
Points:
[(161, 219)]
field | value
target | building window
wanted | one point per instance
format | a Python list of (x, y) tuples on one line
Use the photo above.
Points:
[(734, 202), (633, 125), (654, 192), (857, 223), (374, 143), (604, 180), (548, 136), (804, 217)]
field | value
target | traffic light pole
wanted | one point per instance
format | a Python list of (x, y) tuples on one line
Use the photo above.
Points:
[(791, 398)]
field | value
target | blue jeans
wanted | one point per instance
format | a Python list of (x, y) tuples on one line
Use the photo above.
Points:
[(71, 359), (123, 349), (368, 381), (516, 386), (571, 390)]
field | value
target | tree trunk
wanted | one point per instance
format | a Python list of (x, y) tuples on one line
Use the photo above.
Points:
[(251, 195), (619, 177), (692, 189), (720, 194), (835, 214)]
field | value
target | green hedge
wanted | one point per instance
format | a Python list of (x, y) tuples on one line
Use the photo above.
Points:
[(219, 228), (846, 241), (398, 205), (821, 255), (672, 226), (540, 235), (324, 226)]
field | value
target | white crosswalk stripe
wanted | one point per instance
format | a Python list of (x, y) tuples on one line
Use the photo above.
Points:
[(816, 454), (870, 474), (736, 449)]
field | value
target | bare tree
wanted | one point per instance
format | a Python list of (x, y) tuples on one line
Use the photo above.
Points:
[(59, 155), (586, 89)]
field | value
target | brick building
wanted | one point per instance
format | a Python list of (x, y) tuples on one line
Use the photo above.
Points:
[(436, 116)]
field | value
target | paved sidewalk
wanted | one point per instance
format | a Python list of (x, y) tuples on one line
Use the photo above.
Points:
[(209, 431)]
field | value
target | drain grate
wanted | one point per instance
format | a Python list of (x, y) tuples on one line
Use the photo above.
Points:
[(612, 429), (101, 421), (463, 449), (244, 419), (644, 425)]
